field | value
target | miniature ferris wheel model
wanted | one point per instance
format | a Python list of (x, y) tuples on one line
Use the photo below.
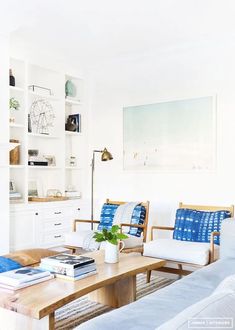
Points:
[(42, 116)]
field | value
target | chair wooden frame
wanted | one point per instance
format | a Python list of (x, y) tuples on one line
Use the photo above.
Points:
[(126, 250), (180, 270)]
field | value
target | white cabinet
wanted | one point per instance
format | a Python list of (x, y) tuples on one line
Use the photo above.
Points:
[(42, 224)]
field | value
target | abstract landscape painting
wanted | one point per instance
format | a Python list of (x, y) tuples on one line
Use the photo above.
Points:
[(170, 136)]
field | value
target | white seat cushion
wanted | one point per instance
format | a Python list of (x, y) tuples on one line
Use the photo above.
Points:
[(171, 249), (132, 241)]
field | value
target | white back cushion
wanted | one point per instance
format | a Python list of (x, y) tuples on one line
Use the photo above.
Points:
[(218, 305)]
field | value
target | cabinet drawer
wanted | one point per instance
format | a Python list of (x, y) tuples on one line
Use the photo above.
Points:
[(55, 213), (55, 224), (51, 238)]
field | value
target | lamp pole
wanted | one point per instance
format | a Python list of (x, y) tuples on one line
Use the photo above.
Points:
[(106, 155)]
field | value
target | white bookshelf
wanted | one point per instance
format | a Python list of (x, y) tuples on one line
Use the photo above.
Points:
[(58, 142)]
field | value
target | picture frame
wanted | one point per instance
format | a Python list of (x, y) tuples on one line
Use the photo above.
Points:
[(77, 119), (171, 136)]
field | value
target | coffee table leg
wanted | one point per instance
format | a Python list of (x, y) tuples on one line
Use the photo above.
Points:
[(117, 294), (11, 321)]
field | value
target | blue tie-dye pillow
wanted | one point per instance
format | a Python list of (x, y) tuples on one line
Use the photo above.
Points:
[(197, 226)]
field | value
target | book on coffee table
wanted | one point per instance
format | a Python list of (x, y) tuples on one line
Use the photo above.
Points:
[(69, 261), (22, 275), (63, 270), (25, 285)]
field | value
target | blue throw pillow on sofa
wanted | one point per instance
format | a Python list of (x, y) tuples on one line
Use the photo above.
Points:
[(8, 264), (196, 226)]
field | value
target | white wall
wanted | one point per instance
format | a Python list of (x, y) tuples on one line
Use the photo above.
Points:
[(197, 70), (4, 138)]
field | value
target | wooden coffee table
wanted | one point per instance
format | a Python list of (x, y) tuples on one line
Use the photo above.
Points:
[(114, 285)]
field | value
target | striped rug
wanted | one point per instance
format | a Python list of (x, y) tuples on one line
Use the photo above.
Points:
[(83, 309)]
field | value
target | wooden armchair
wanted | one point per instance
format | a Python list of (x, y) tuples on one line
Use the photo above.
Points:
[(74, 240), (187, 254)]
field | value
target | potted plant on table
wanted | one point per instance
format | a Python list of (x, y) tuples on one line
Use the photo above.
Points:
[(113, 242)]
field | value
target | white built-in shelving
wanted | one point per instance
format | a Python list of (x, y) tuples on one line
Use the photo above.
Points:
[(57, 142)]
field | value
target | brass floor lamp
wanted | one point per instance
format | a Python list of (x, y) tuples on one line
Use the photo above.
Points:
[(105, 156)]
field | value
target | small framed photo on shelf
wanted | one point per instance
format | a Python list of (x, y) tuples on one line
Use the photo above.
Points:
[(74, 123)]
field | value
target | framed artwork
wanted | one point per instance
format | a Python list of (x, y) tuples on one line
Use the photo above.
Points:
[(170, 136)]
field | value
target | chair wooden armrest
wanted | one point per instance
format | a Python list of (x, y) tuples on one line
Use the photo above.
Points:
[(161, 228), (212, 246), (82, 221)]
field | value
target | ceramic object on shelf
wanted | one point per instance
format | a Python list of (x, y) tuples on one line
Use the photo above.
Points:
[(70, 89), (11, 78)]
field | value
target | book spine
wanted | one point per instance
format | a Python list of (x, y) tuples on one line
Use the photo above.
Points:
[(70, 278), (67, 266), (67, 271)]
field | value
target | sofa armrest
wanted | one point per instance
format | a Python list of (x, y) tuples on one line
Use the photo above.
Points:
[(160, 228), (82, 221), (212, 245)]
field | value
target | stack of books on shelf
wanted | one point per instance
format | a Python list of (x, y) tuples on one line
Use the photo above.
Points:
[(22, 277), (68, 266)]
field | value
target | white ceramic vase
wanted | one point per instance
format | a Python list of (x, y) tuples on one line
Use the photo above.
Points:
[(112, 252)]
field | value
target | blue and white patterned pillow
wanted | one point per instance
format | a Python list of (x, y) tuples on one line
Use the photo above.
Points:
[(108, 212), (107, 215), (197, 226)]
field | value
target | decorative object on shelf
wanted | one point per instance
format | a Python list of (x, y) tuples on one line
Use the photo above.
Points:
[(14, 104), (105, 156), (54, 193), (42, 116), (12, 120), (50, 159), (113, 243), (33, 188), (29, 124), (12, 187), (72, 193), (15, 153), (35, 160), (33, 153), (72, 161), (40, 89), (70, 89), (73, 123), (14, 195), (11, 78)]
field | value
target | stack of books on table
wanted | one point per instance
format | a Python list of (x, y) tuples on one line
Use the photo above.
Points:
[(69, 266), (22, 277)]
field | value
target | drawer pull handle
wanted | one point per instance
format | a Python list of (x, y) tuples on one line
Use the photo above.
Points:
[(36, 213), (79, 209), (58, 224), (57, 212), (57, 236)]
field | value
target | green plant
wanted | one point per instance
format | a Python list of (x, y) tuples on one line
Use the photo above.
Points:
[(112, 235), (14, 104)]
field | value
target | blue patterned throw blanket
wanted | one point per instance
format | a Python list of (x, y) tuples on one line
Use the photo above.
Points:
[(8, 264)]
